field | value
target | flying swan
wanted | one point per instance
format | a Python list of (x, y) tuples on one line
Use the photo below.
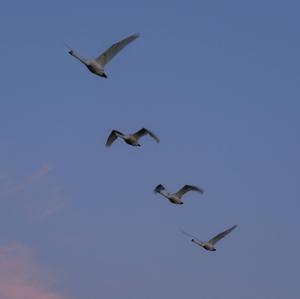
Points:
[(176, 197), (132, 139), (97, 65), (210, 244)]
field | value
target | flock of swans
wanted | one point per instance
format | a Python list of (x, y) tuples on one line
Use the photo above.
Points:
[(96, 66)]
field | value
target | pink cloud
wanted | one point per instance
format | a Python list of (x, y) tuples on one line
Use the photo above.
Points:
[(20, 278)]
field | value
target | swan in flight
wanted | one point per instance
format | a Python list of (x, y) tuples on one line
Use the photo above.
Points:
[(176, 197), (97, 65), (210, 244), (132, 139)]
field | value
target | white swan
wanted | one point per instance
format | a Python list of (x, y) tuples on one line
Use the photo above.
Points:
[(176, 197), (132, 139), (210, 244), (96, 66)]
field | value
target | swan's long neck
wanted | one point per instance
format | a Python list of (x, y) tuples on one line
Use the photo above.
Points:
[(122, 136), (76, 55), (197, 242), (165, 194)]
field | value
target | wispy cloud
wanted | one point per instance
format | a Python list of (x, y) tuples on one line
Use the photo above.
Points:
[(41, 193), (20, 277), (28, 180), (50, 208), (3, 177)]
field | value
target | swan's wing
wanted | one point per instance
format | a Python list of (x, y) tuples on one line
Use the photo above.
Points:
[(112, 137), (187, 188), (142, 132), (221, 235), (191, 236), (159, 188), (106, 56)]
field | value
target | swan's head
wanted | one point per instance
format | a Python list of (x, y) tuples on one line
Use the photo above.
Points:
[(104, 75)]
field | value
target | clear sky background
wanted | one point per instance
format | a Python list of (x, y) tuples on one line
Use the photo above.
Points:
[(218, 82)]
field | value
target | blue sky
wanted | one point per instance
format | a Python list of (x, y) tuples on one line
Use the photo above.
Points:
[(217, 81)]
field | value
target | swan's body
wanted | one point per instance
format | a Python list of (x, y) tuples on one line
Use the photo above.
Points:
[(175, 198), (96, 66), (210, 244), (132, 139)]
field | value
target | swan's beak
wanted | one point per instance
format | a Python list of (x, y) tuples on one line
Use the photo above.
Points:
[(104, 75)]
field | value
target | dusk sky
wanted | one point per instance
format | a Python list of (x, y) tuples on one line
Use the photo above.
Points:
[(217, 82)]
